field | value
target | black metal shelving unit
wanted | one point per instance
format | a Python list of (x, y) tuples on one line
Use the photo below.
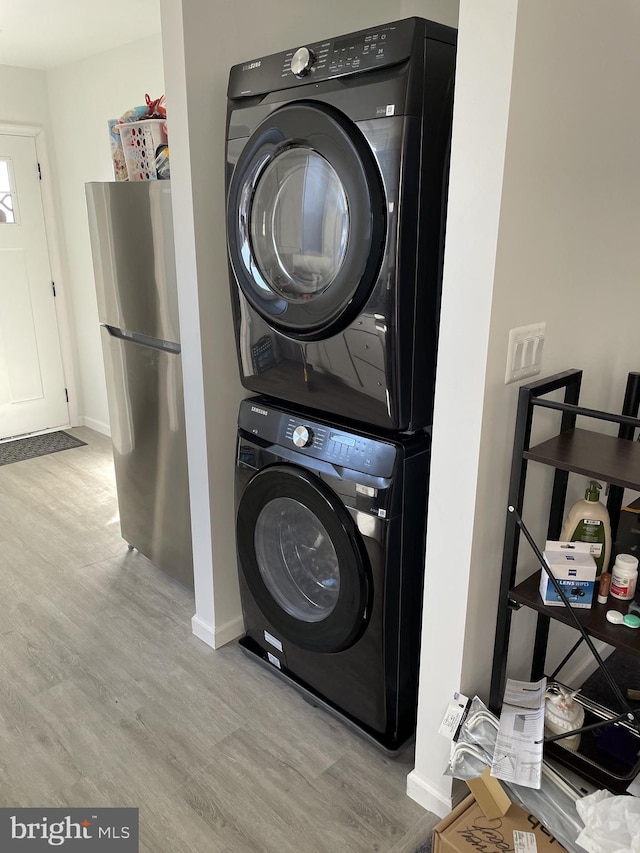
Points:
[(615, 460)]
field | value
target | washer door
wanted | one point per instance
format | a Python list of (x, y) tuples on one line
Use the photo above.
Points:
[(303, 559), (306, 220)]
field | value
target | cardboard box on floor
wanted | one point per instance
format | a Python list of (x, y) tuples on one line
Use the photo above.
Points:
[(486, 821)]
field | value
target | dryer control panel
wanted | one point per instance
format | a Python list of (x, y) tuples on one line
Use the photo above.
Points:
[(317, 440), (361, 51), (330, 58)]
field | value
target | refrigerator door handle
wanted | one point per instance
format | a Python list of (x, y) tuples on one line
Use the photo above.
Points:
[(143, 340)]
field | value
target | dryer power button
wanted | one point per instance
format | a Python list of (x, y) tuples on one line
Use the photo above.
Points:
[(302, 436), (302, 61)]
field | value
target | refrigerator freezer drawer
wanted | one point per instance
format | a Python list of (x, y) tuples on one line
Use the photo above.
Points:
[(131, 228), (146, 409)]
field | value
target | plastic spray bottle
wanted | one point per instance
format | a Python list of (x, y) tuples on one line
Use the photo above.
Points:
[(588, 521)]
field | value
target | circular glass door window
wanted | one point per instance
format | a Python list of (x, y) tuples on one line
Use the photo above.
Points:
[(299, 224), (297, 560), (306, 220)]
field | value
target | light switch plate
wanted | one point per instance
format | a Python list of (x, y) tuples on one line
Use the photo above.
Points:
[(524, 354)]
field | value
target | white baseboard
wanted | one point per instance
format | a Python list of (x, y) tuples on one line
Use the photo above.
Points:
[(229, 631), (203, 631), (98, 426), (427, 796), (219, 636)]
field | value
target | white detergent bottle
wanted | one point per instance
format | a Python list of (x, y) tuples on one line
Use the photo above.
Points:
[(588, 521)]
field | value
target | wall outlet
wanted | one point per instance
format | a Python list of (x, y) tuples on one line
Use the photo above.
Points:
[(524, 355)]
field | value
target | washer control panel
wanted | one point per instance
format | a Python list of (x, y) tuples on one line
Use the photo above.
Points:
[(347, 449), (360, 51), (322, 441)]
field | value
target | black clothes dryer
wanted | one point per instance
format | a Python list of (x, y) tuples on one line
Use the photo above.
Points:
[(330, 533), (337, 159)]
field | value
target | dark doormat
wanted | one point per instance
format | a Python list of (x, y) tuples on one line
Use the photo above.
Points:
[(37, 445)]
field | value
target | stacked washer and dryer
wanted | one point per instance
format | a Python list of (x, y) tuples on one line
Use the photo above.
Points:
[(337, 167)]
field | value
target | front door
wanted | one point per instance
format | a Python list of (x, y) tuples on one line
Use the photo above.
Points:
[(32, 386)]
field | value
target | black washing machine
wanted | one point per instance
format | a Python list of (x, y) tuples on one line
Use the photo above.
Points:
[(330, 533), (337, 166)]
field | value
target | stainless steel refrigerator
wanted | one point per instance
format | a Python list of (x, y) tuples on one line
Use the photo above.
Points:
[(134, 262)]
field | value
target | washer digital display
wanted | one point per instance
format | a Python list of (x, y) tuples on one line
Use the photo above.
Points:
[(342, 439)]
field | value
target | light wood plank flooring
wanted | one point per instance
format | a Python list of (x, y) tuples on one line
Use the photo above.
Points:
[(107, 699)]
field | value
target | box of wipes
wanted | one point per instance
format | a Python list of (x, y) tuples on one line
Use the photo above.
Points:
[(574, 568)]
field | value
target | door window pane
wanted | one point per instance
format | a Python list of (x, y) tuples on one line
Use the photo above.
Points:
[(6, 195), (299, 224), (297, 560)]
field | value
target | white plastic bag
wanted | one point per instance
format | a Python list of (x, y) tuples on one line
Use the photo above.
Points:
[(611, 824)]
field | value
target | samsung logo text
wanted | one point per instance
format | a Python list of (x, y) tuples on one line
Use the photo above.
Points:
[(258, 411), (249, 66)]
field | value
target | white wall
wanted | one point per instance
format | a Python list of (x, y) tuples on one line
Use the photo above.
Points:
[(567, 252), (23, 96), (442, 11), (483, 79), (82, 97), (201, 42), (568, 236)]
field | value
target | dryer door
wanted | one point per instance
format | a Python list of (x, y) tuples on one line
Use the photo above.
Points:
[(303, 559), (306, 220)]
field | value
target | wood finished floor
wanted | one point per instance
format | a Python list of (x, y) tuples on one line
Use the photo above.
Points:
[(107, 699)]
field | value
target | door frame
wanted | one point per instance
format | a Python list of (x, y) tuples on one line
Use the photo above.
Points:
[(51, 216)]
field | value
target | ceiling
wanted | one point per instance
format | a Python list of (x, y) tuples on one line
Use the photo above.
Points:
[(48, 33)]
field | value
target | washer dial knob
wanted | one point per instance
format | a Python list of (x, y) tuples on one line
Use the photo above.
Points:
[(302, 61), (302, 436)]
